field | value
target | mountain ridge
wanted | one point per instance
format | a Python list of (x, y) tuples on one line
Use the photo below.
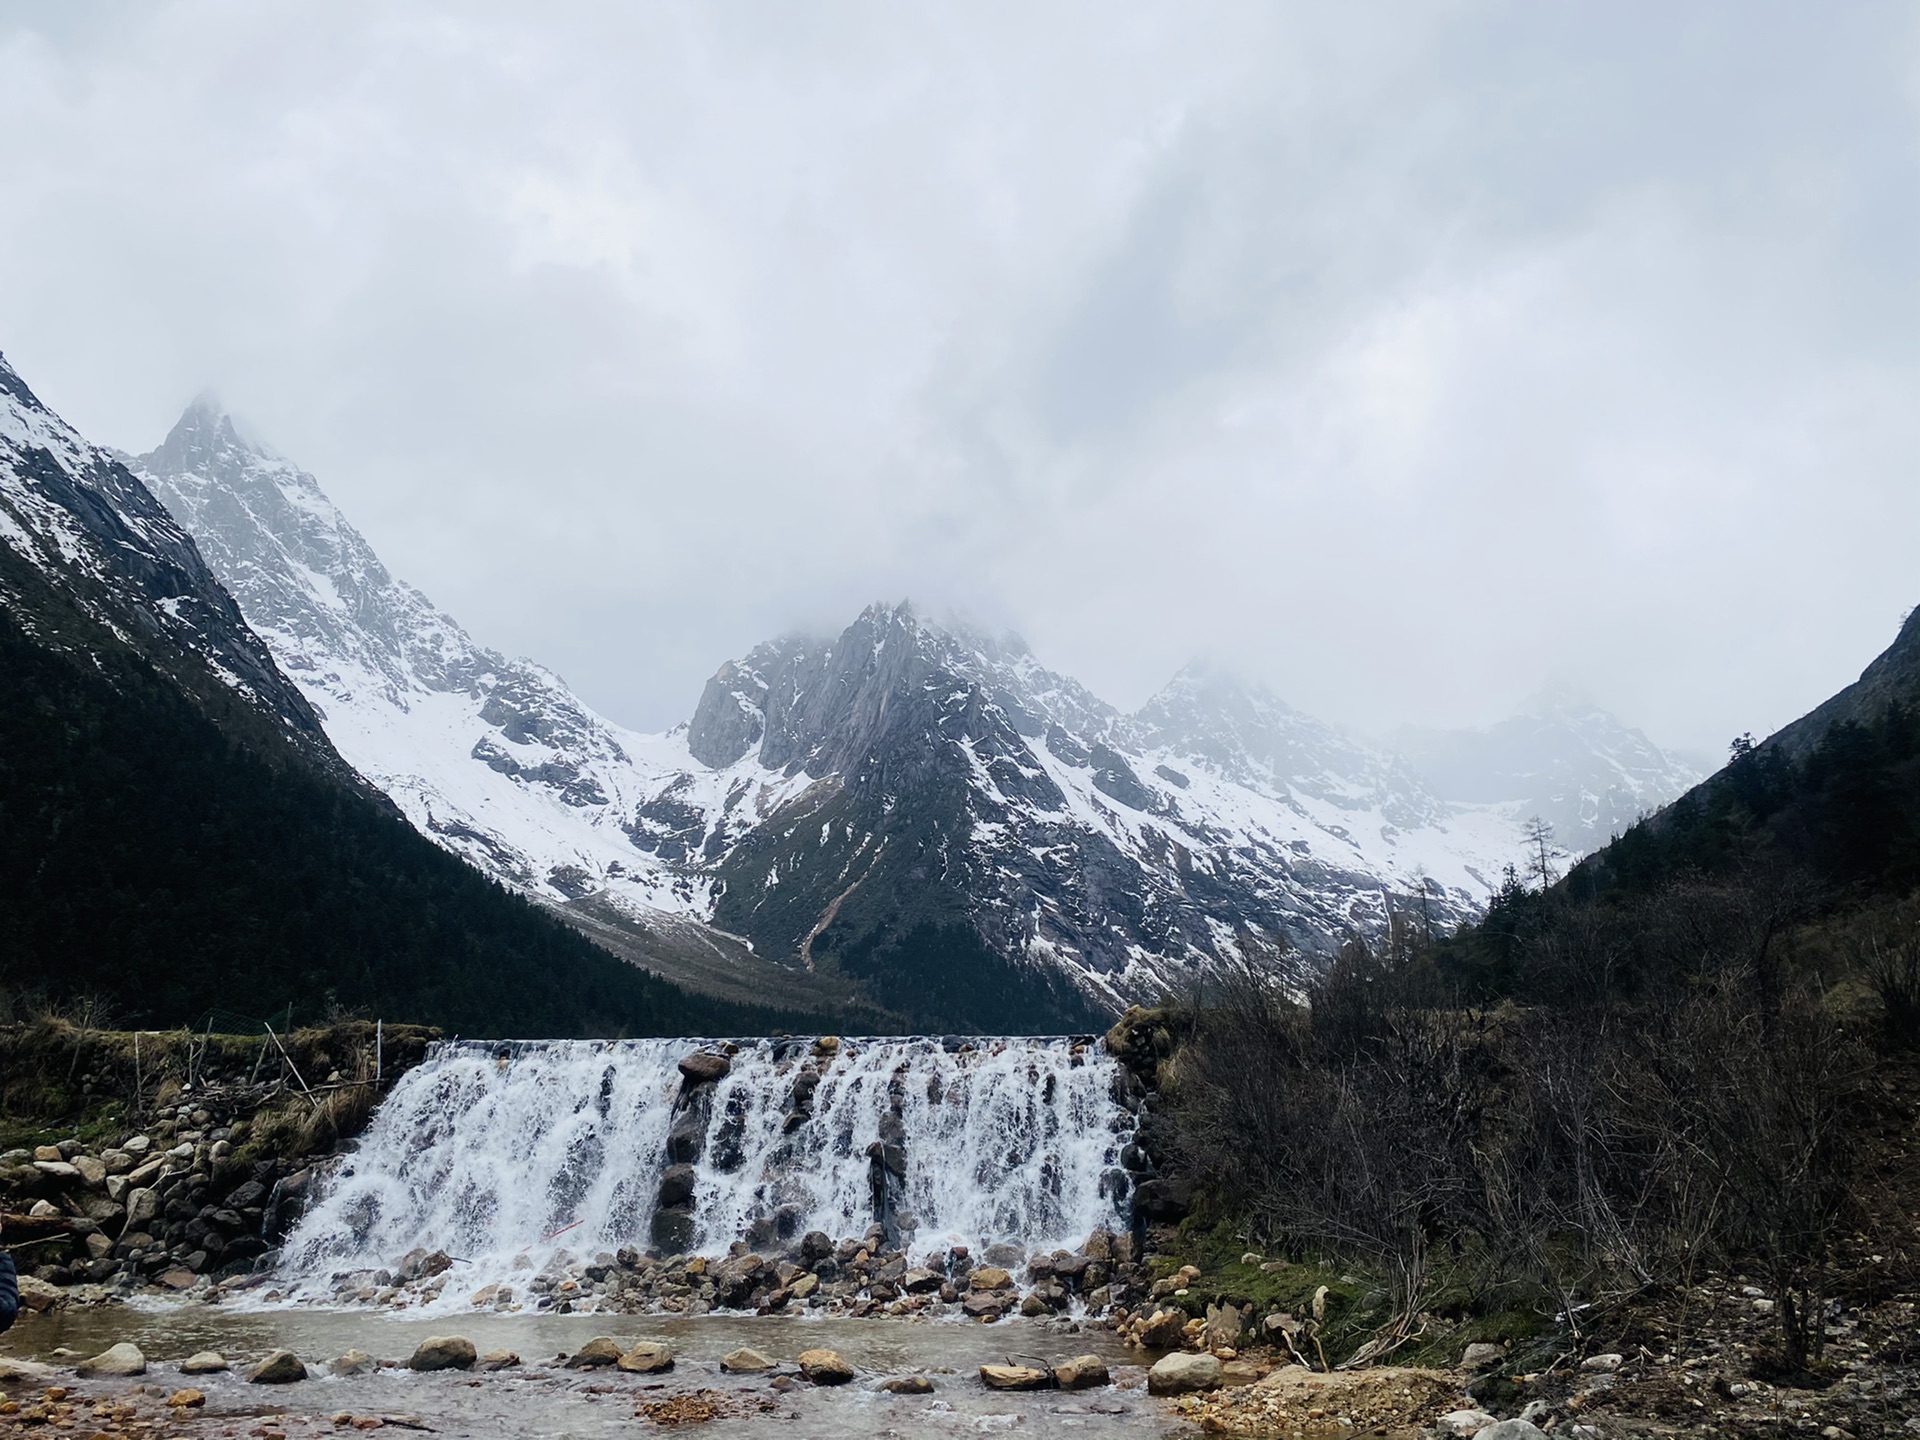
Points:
[(839, 808)]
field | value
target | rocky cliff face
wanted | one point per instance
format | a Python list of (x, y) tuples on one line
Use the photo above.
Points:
[(914, 813)]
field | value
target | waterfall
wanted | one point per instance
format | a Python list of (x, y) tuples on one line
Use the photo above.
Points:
[(505, 1154)]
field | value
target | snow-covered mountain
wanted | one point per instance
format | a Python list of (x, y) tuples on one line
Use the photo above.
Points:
[(82, 540), (1562, 758), (916, 810)]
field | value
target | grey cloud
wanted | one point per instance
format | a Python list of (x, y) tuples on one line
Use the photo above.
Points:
[(1404, 357)]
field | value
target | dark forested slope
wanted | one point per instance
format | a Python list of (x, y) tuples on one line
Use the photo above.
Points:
[(176, 833)]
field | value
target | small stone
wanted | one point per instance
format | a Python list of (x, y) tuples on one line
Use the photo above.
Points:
[(646, 1358), (499, 1360), (207, 1362), (1603, 1363), (354, 1362), (47, 1154), (745, 1361), (1181, 1374), (1015, 1377), (122, 1359), (444, 1352), (599, 1351), (90, 1169), (907, 1385), (282, 1367), (43, 1210), (187, 1399), (1082, 1372)]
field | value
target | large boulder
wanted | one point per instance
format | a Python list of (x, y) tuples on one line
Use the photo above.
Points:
[(825, 1367), (354, 1362), (1182, 1374), (122, 1359), (282, 1367), (992, 1277), (444, 1352), (646, 1358), (746, 1361), (204, 1362)]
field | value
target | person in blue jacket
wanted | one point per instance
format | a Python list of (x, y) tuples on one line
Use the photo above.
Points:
[(9, 1291)]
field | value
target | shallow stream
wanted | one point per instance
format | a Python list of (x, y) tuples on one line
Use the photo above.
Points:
[(542, 1399)]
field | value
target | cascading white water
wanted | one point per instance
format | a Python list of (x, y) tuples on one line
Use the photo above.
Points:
[(498, 1154)]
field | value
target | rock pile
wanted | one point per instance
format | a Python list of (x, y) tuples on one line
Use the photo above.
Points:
[(181, 1198), (856, 1277)]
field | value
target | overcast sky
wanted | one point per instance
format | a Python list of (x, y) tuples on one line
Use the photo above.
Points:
[(1405, 357)]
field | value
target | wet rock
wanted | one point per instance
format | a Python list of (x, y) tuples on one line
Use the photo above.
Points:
[(907, 1385), (122, 1359), (188, 1399), (815, 1246), (672, 1230), (498, 1360), (1182, 1374), (646, 1358), (599, 1351), (992, 1277), (983, 1305), (1163, 1199), (804, 1286), (676, 1185), (1033, 1307), (354, 1362), (1082, 1372), (444, 1352), (1015, 1377), (745, 1361), (704, 1067), (825, 1367), (24, 1372), (282, 1367), (205, 1362)]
